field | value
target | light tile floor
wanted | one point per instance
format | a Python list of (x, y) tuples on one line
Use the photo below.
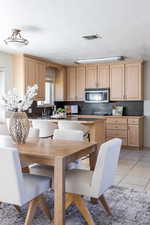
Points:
[(134, 170)]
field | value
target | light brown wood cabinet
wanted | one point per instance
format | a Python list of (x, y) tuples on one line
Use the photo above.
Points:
[(130, 130), (103, 77), (27, 72), (75, 83), (135, 132), (60, 84), (80, 82), (126, 81), (91, 76), (133, 81), (116, 82), (71, 83)]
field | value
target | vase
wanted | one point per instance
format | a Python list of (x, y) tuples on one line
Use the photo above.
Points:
[(19, 127)]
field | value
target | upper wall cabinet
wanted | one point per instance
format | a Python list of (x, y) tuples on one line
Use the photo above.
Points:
[(60, 84), (91, 76), (133, 81), (103, 80), (126, 81), (27, 72), (117, 82), (80, 82), (71, 83)]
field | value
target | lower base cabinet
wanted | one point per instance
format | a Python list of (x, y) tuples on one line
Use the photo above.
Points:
[(130, 130)]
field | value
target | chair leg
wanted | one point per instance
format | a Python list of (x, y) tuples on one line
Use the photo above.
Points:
[(79, 202), (26, 169), (36, 202), (103, 202), (17, 208), (44, 206), (69, 200)]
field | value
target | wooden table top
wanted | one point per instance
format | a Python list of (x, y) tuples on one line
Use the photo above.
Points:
[(47, 148)]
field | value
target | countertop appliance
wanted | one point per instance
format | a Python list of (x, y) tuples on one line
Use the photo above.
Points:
[(97, 95)]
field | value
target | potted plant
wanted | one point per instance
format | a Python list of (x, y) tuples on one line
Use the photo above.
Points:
[(61, 112), (19, 123)]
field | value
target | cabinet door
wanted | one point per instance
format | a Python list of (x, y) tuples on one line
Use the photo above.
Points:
[(133, 135), (30, 72), (116, 82), (60, 85), (103, 76), (133, 81), (80, 82), (71, 83), (91, 76), (40, 80)]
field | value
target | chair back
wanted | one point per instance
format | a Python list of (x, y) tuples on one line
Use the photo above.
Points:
[(72, 125), (68, 135), (106, 166), (11, 187), (34, 132), (46, 127)]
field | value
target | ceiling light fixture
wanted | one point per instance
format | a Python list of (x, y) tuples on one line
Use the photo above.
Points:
[(106, 59), (16, 40), (92, 37)]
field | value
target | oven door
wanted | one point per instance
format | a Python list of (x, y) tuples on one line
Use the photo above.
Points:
[(97, 96)]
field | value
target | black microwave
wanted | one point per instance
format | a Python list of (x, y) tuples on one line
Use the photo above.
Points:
[(97, 95)]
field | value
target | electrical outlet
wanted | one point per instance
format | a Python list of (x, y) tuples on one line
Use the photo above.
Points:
[(30, 110)]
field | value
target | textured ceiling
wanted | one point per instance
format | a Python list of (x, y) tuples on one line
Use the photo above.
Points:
[(54, 27)]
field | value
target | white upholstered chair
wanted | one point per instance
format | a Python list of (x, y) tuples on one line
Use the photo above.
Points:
[(70, 135), (95, 183), (74, 125), (17, 188), (46, 127), (34, 132)]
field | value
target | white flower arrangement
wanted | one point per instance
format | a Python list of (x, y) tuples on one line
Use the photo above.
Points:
[(13, 102)]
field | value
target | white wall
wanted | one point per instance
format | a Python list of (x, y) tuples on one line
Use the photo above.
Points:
[(6, 63), (6, 66), (147, 104)]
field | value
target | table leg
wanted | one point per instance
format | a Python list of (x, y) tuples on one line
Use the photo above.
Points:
[(92, 161), (59, 187)]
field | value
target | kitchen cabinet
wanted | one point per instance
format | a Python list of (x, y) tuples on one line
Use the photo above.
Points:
[(71, 83), (91, 75), (60, 84), (40, 79), (103, 78), (133, 81), (135, 133), (128, 128), (117, 82), (80, 82), (126, 81), (27, 72)]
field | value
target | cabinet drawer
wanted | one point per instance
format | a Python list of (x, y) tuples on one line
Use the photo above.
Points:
[(112, 126), (124, 140), (133, 121), (116, 133), (117, 120)]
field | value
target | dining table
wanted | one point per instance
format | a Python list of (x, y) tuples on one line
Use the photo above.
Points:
[(56, 153)]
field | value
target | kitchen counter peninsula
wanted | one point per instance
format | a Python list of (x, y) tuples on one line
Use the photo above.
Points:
[(96, 126)]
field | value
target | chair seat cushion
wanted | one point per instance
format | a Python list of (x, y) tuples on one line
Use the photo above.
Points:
[(41, 170), (79, 181), (34, 186)]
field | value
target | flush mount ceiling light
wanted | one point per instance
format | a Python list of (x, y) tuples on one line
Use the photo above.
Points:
[(16, 40), (106, 59), (92, 37)]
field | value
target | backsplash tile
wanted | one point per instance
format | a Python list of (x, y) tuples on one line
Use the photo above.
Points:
[(131, 108)]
